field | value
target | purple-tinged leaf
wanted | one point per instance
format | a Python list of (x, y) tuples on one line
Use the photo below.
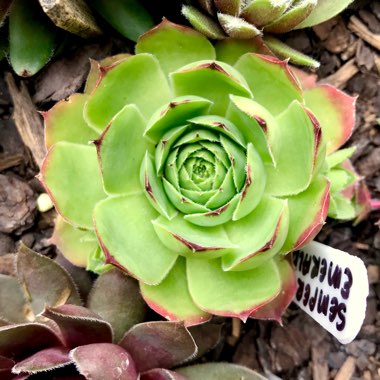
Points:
[(22, 340), (116, 298), (102, 361), (45, 360), (206, 336), (12, 302), (159, 344), (161, 374), (5, 368), (79, 325), (43, 281), (217, 371), (274, 309)]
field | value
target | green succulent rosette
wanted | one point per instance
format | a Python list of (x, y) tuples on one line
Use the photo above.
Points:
[(252, 19), (202, 174)]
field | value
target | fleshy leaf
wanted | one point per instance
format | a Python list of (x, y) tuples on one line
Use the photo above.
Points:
[(304, 226), (230, 7), (191, 240), (284, 51), (171, 298), (64, 122), (44, 360), (335, 112), (101, 361), (230, 50), (262, 12), (22, 339), (174, 114), (237, 27), (136, 249), (175, 45), (161, 374), (294, 162), (129, 82), (324, 10), (263, 74), (124, 309), (217, 371), (339, 156), (258, 236), (254, 122), (203, 23), (274, 309), (159, 344), (222, 80), (75, 244), (71, 175), (121, 149), (12, 302), (254, 184), (5, 368), (154, 190), (292, 17), (96, 68), (79, 325), (43, 281), (206, 336), (214, 290)]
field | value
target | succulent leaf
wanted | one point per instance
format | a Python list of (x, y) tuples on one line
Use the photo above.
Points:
[(43, 281), (323, 11), (124, 309), (193, 46), (275, 309), (44, 360), (161, 374), (216, 371), (65, 178), (169, 344), (100, 361), (121, 150), (206, 278), (79, 325), (64, 122), (76, 244), (12, 300), (171, 298), (116, 212), (335, 111), (16, 341)]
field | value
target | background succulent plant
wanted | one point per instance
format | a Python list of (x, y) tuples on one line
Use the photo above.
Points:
[(44, 327), (248, 19), (210, 167), (34, 36)]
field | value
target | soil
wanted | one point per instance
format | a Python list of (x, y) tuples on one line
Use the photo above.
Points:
[(348, 48)]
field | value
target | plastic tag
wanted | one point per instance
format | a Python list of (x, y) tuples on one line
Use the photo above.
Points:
[(332, 288)]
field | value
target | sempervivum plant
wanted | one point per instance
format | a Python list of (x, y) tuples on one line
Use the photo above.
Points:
[(204, 176), (248, 19), (45, 327)]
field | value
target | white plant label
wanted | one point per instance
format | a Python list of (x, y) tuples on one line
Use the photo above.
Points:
[(332, 289)]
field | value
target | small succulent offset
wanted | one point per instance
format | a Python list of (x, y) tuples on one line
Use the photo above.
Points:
[(210, 167), (247, 19), (44, 327)]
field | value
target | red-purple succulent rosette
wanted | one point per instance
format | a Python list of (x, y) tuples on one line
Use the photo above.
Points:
[(208, 167)]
